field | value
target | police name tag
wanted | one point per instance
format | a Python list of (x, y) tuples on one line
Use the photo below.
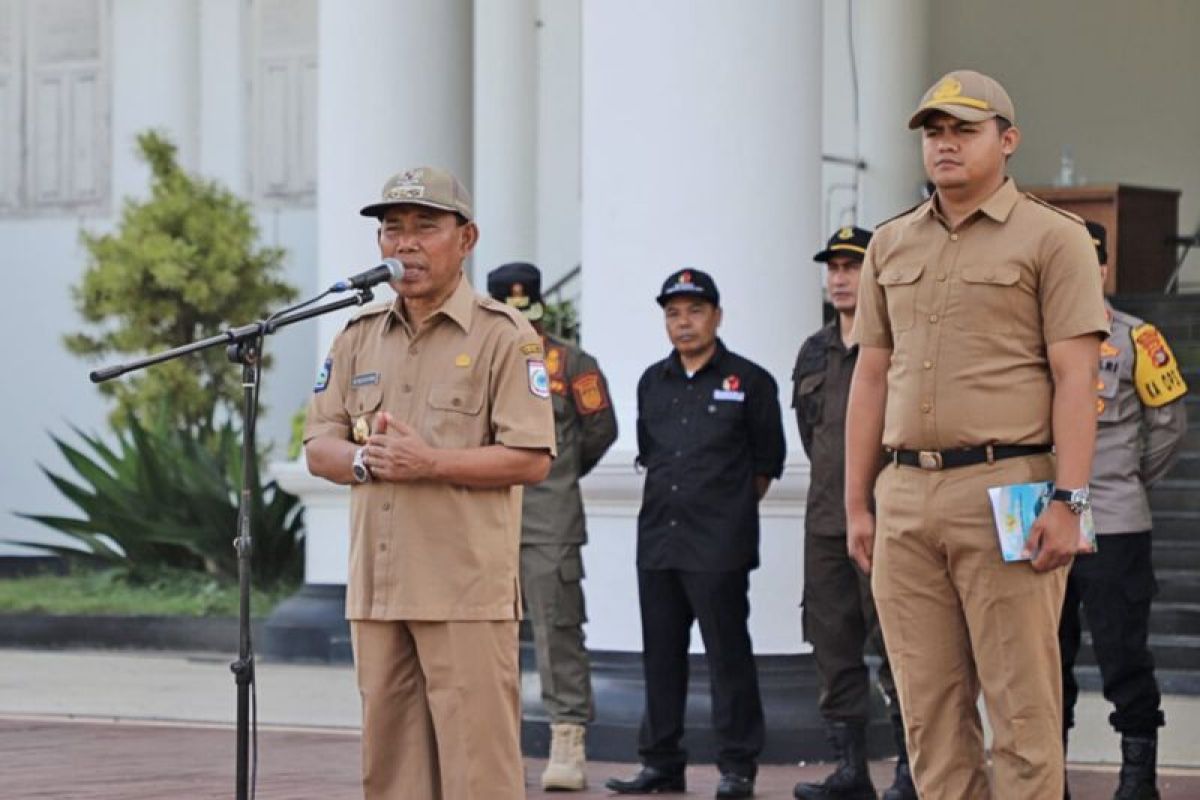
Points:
[(727, 394)]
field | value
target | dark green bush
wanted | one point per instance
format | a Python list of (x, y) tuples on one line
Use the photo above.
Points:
[(164, 498)]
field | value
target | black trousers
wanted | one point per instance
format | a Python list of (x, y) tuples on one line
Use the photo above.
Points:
[(670, 601), (839, 619), (1115, 586)]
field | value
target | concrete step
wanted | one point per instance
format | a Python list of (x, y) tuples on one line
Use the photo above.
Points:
[(1171, 651), (1177, 585), (1175, 494), (1187, 467), (1176, 525), (1177, 554), (1175, 619)]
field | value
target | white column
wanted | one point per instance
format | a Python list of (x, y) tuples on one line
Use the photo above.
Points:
[(505, 133), (395, 92), (894, 72), (701, 148), (559, 196), (155, 84)]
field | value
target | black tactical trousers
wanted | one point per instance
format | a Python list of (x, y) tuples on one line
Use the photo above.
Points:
[(670, 601), (1115, 586), (838, 620)]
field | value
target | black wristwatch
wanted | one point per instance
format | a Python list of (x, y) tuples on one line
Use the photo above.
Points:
[(1078, 500), (362, 473)]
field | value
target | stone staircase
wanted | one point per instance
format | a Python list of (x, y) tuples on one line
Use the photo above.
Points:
[(1175, 503)]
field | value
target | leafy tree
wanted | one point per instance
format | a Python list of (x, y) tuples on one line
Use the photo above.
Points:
[(181, 266)]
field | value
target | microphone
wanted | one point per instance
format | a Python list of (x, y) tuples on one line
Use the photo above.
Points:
[(389, 269)]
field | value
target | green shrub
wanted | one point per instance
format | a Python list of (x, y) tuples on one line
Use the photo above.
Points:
[(164, 498)]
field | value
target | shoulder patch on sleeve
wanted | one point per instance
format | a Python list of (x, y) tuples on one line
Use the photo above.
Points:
[(590, 396), (539, 379), (1155, 372), (323, 376), (1045, 203)]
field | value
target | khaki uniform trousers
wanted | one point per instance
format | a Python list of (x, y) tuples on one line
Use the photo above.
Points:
[(551, 576), (441, 710), (956, 618)]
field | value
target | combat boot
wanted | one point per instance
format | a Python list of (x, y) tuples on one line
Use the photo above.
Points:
[(850, 779), (902, 787), (1138, 757), (565, 769)]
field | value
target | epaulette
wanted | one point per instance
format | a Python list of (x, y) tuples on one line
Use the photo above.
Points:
[(903, 213), (496, 307), (1052, 207), (369, 310)]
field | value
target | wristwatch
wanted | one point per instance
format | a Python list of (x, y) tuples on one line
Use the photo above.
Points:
[(362, 473), (1078, 500)]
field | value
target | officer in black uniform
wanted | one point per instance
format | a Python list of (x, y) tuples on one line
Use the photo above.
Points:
[(711, 440)]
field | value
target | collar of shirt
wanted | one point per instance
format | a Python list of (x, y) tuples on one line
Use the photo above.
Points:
[(674, 364), (997, 207), (456, 308), (832, 332)]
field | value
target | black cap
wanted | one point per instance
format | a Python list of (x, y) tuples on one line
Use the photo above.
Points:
[(519, 285), (689, 282), (848, 241), (1099, 238)]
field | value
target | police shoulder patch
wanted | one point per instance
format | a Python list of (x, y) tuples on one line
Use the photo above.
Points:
[(1155, 371), (590, 396)]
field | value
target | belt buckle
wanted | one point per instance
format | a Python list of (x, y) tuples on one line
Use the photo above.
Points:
[(929, 459)]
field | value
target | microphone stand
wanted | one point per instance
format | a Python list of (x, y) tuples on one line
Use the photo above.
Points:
[(243, 346)]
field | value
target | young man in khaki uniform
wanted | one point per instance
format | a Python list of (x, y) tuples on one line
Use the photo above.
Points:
[(839, 613), (553, 532), (979, 318), (435, 408), (1142, 422)]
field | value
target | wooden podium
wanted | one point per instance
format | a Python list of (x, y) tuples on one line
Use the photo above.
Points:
[(1142, 224)]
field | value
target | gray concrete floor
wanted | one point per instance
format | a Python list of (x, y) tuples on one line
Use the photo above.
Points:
[(164, 722)]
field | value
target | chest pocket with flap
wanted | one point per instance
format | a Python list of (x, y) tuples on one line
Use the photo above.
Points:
[(454, 418), (899, 283), (987, 298)]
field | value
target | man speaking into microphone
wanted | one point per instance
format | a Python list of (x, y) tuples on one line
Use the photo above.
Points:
[(435, 409)]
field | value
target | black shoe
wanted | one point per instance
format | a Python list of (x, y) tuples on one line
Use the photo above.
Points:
[(734, 785), (1139, 755), (650, 781), (850, 780), (902, 787)]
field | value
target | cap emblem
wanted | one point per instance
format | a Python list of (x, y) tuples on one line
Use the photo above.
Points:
[(684, 277), (405, 192), (951, 87), (845, 233)]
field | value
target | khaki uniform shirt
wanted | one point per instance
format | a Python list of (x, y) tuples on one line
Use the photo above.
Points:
[(1135, 443), (585, 426), (968, 314), (471, 375), (820, 391)]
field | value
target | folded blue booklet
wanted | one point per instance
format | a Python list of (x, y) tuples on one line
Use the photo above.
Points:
[(1016, 507)]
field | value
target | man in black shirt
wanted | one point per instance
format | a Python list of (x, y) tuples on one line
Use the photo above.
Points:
[(711, 440)]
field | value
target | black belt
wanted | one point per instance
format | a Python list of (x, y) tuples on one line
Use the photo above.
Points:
[(965, 456)]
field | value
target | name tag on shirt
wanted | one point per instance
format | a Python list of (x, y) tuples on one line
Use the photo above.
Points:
[(727, 394)]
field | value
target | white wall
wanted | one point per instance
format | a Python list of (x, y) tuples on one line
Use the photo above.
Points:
[(175, 65)]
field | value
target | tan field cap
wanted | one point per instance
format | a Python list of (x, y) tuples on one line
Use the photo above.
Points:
[(422, 186), (967, 95)]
